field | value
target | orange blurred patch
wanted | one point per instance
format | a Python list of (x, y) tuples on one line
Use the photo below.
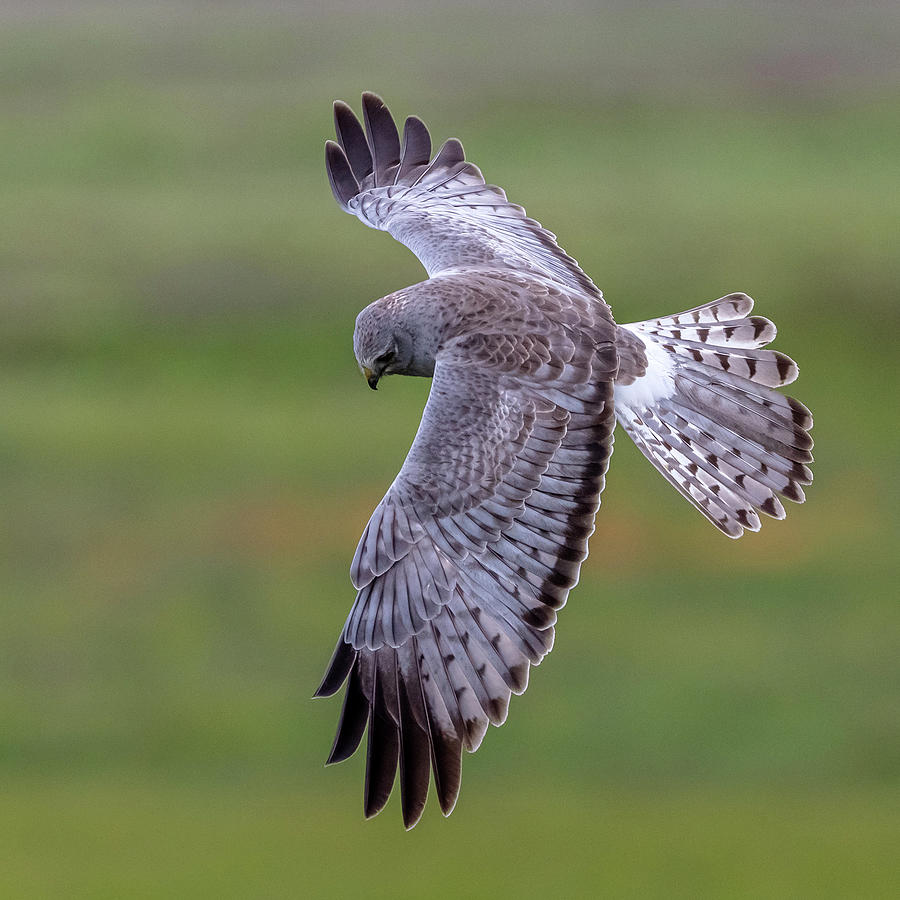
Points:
[(298, 527)]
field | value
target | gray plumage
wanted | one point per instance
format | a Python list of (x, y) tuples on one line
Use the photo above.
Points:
[(466, 561)]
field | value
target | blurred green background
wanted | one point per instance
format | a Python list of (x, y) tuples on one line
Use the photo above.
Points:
[(189, 453)]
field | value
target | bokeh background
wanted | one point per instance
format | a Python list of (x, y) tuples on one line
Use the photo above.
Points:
[(189, 453)]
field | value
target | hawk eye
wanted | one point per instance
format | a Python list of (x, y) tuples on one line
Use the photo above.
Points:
[(385, 358)]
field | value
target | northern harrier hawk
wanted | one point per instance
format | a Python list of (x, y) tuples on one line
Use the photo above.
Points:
[(477, 543)]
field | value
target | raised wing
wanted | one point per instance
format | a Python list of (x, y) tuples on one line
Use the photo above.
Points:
[(466, 560), (440, 208)]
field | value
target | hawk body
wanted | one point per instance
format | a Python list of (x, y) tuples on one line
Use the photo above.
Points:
[(466, 561)]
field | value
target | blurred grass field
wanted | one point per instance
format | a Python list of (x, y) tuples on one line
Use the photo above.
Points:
[(189, 453)]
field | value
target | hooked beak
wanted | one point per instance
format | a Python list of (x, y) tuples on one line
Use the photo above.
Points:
[(371, 377)]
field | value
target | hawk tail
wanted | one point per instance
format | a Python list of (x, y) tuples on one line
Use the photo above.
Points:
[(694, 392)]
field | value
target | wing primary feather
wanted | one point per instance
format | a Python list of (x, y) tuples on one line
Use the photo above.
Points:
[(352, 139), (338, 669), (445, 742), (382, 755), (416, 150), (344, 185), (384, 141), (450, 154), (448, 157), (386, 699), (414, 756), (352, 724)]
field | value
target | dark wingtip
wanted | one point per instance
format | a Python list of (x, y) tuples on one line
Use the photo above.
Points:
[(446, 765), (413, 808), (414, 127), (338, 669), (372, 98), (448, 802), (451, 152), (343, 183), (382, 759), (352, 724), (415, 154), (415, 756), (352, 140), (384, 140)]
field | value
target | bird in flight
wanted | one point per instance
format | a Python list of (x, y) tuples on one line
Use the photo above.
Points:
[(466, 561)]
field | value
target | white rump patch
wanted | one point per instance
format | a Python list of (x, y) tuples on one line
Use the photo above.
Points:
[(654, 385)]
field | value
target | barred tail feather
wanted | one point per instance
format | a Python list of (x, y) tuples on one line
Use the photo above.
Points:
[(694, 392)]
